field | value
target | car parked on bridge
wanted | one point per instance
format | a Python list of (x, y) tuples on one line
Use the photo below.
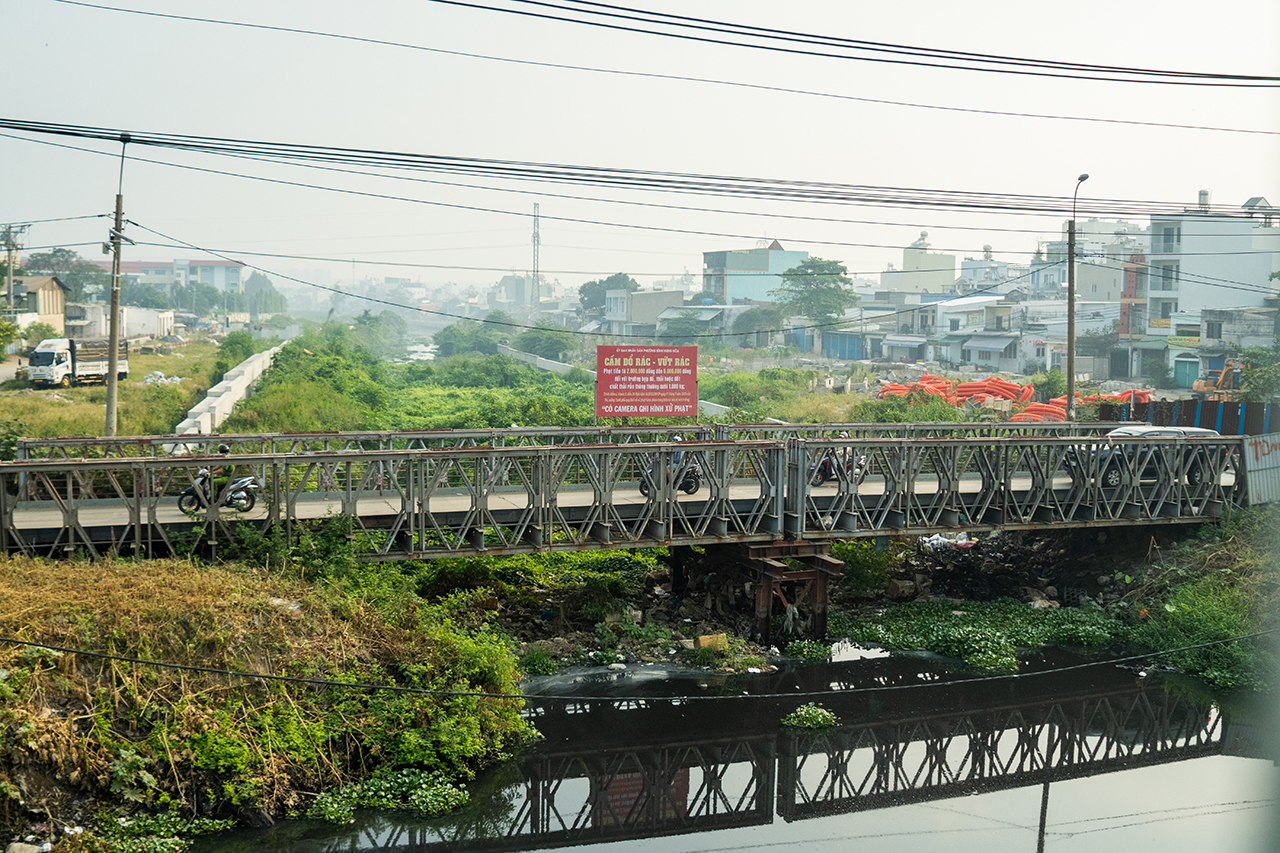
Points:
[(1109, 461)]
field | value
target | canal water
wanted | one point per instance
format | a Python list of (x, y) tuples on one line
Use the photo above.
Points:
[(1065, 756)]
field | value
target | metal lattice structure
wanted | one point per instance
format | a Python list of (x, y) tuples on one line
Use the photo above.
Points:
[(450, 494), (672, 782), (875, 765)]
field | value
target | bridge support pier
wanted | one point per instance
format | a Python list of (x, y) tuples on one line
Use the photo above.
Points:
[(771, 574)]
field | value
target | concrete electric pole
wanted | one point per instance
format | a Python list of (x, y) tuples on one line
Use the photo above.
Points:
[(113, 338), (1071, 303), (10, 235)]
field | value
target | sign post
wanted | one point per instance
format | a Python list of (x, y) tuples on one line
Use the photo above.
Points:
[(646, 381)]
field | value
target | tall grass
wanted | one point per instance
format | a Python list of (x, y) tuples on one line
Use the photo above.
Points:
[(142, 409)]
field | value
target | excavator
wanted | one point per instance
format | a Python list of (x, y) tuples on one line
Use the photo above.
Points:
[(1219, 382)]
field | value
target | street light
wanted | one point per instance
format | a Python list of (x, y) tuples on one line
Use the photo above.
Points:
[(1071, 303)]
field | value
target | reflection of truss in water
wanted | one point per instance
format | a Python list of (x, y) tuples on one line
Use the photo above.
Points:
[(588, 794), (877, 766)]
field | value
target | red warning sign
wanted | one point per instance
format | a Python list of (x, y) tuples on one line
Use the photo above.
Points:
[(651, 382)]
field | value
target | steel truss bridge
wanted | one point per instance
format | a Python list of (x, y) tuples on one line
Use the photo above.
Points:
[(743, 773), (446, 493)]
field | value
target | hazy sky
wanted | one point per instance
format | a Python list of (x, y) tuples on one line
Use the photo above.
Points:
[(72, 64)]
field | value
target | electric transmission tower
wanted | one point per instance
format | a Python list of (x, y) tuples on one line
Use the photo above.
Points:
[(535, 291)]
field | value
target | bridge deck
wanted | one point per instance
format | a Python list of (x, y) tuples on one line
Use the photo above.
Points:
[(459, 497)]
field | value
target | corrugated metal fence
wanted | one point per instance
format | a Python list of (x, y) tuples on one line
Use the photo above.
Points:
[(1227, 417), (1262, 468)]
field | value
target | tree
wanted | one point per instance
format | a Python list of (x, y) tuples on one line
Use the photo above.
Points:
[(684, 329), (261, 296), (1099, 342), (546, 341), (1260, 380), (764, 318), (591, 294), (202, 300), (817, 289), (8, 333), (37, 332), (80, 276), (470, 336), (143, 296)]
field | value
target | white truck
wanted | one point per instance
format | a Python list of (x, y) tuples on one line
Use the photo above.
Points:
[(67, 361)]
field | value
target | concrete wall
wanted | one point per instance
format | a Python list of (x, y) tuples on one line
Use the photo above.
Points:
[(218, 404)]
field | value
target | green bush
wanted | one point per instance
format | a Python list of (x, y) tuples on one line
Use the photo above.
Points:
[(985, 634), (866, 569), (811, 716), (538, 661), (1205, 610), (810, 650)]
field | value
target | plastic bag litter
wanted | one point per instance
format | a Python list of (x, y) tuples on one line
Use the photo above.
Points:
[(157, 377), (941, 541)]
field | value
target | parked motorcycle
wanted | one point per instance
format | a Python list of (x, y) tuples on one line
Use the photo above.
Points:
[(238, 495), (690, 479), (828, 466)]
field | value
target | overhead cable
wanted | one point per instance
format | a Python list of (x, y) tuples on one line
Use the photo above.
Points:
[(623, 19), (653, 75)]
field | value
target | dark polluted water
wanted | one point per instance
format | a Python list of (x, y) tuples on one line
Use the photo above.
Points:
[(1063, 757)]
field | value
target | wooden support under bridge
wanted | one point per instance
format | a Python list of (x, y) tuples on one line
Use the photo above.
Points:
[(765, 561)]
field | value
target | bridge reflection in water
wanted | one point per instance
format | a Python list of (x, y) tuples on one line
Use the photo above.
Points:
[(714, 764)]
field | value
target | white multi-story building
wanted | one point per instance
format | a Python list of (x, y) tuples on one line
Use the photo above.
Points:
[(1204, 258)]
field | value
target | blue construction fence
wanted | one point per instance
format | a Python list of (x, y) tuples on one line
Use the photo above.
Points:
[(1227, 417)]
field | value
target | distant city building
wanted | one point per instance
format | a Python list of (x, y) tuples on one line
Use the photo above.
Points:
[(1199, 259), (922, 271), (739, 275), (224, 275), (637, 312), (44, 296)]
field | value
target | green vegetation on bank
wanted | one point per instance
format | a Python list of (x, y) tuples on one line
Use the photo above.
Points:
[(204, 743), (1218, 585), (335, 379)]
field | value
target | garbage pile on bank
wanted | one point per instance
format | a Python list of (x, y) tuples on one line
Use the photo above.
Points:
[(157, 377)]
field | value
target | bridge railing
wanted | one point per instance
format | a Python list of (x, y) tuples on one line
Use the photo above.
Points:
[(94, 447), (438, 501), (839, 486)]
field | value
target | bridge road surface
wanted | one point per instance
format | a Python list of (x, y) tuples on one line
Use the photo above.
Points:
[(36, 515)]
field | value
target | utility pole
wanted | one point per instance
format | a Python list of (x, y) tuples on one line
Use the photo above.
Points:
[(535, 291), (113, 338), (11, 235), (1071, 304)]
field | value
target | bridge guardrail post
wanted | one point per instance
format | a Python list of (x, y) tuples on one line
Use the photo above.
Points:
[(795, 483)]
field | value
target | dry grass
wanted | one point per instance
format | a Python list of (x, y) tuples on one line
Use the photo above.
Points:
[(143, 409), (174, 610)]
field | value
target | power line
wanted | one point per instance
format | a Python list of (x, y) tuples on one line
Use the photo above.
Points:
[(690, 209), (781, 41), (574, 220), (659, 76), (59, 218), (774, 189)]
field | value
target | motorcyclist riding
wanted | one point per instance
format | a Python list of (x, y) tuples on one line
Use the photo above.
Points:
[(220, 475)]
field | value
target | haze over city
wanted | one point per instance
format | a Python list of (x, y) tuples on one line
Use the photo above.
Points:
[(497, 83)]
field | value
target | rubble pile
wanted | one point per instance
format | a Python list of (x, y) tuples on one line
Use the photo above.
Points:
[(1003, 565)]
